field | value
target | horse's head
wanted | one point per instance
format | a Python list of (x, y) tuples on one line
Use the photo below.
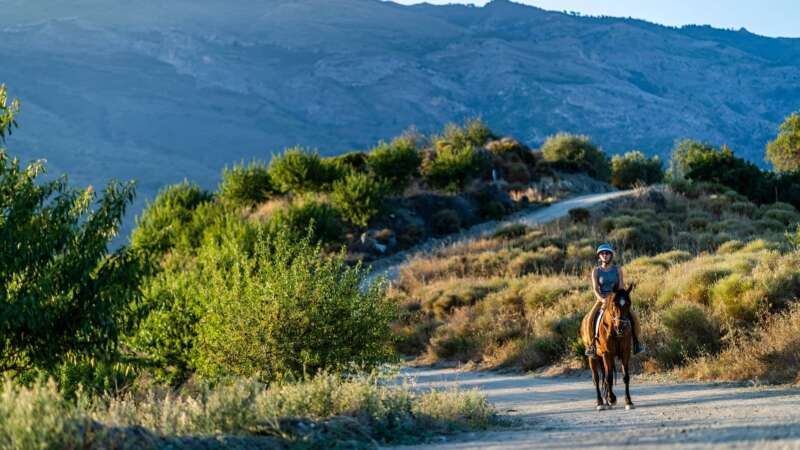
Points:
[(619, 311)]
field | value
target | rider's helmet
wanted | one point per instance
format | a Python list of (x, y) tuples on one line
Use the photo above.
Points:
[(605, 248)]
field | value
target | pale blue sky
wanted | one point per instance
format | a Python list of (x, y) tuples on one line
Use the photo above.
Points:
[(766, 17)]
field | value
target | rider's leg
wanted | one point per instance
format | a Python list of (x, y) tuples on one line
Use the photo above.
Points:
[(638, 345), (592, 324)]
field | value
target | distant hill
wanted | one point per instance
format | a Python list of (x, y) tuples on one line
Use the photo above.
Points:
[(161, 90)]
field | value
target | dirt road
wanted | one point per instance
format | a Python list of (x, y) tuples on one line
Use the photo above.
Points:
[(390, 266), (559, 413)]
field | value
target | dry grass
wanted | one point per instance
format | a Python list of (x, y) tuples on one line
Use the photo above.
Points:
[(323, 412), (702, 275)]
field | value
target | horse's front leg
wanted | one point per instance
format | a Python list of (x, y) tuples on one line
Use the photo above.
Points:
[(608, 366), (594, 366), (626, 377)]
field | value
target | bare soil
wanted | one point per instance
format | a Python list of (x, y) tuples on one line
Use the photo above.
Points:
[(559, 412)]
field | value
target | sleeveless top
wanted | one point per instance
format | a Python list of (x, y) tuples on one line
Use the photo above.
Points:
[(607, 279)]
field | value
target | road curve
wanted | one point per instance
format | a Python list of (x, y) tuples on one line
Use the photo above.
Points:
[(390, 266), (559, 413)]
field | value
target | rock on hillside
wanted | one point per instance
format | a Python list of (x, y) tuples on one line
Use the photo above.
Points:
[(160, 91)]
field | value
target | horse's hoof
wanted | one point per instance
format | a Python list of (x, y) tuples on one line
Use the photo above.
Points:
[(601, 407), (629, 407), (609, 406)]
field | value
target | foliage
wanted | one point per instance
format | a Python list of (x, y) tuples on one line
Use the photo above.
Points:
[(327, 411), (301, 215), (62, 293), (396, 162), (299, 170), (445, 221), (7, 113), (245, 185), (634, 168), (784, 151), (358, 197), (170, 220), (577, 153), (288, 310), (451, 167)]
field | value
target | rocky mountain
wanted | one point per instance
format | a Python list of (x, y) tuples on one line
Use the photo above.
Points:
[(161, 90)]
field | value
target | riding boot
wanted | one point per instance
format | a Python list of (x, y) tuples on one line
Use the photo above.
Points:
[(638, 346)]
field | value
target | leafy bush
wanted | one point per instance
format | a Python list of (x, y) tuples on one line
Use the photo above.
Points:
[(358, 197), (634, 168), (63, 294), (737, 300), (446, 221), (288, 310), (451, 167), (579, 215), (396, 162), (511, 231), (245, 185), (299, 216), (169, 220), (688, 331), (578, 153), (299, 170), (494, 210)]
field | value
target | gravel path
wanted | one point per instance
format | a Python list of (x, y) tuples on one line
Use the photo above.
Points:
[(390, 266), (558, 412)]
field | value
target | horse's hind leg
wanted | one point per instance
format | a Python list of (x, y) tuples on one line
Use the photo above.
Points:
[(594, 367)]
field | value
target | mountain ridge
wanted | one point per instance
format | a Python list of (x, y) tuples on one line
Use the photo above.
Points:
[(165, 91)]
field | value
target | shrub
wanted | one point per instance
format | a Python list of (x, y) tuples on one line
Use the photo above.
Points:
[(511, 231), (396, 162), (634, 168), (63, 293), (574, 152), (494, 210), (358, 197), (167, 221), (299, 170), (299, 216), (636, 239), (579, 215), (737, 300), (289, 310), (687, 331), (771, 354), (445, 221), (451, 167), (245, 185)]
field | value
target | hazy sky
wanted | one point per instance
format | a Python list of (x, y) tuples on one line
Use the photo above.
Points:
[(766, 17)]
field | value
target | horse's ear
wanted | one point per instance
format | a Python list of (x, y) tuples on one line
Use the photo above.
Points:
[(630, 288)]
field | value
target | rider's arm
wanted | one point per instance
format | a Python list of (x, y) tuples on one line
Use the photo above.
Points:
[(596, 286), (621, 282)]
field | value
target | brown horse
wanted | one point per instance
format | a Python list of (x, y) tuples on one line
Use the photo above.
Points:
[(614, 341)]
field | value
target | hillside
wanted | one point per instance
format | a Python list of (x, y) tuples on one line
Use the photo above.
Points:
[(161, 91)]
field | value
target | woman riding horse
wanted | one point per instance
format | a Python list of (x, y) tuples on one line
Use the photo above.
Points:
[(606, 279)]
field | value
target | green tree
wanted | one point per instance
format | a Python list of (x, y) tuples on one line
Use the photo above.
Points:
[(7, 113), (288, 310), (784, 151), (396, 162), (245, 185), (576, 153), (171, 220), (358, 197), (62, 295), (633, 167), (300, 171), (308, 213)]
